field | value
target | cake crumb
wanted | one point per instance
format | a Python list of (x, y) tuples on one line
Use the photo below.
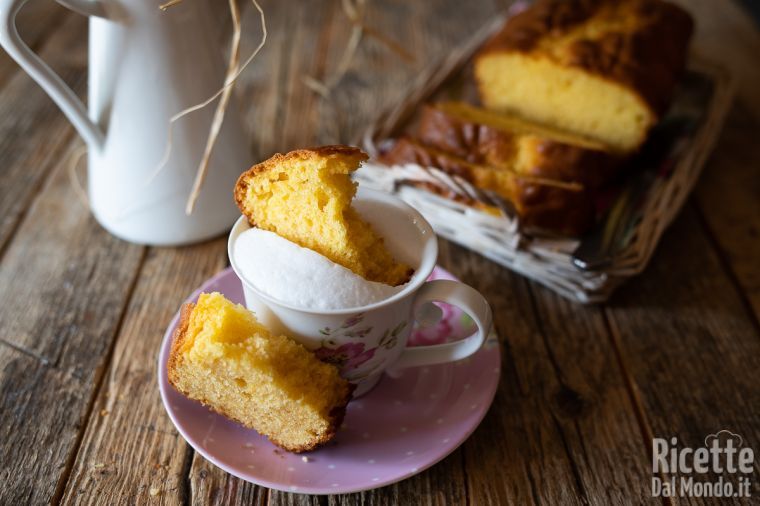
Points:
[(98, 466), (104, 412), (305, 458), (154, 491)]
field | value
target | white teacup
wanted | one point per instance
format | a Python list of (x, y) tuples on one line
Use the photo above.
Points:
[(365, 341)]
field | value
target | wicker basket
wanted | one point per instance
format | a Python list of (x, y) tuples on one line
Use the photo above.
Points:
[(545, 259)]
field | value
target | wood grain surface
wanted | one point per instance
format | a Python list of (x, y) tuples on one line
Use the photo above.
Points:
[(725, 34), (28, 152), (583, 389)]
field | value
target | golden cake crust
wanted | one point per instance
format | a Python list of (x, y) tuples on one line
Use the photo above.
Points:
[(646, 52), (546, 207), (178, 338), (275, 160), (354, 243), (483, 144)]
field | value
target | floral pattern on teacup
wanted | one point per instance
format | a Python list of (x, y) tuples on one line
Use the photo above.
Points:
[(350, 356), (390, 336), (347, 328), (346, 356)]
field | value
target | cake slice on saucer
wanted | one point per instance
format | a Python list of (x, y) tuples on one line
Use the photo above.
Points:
[(224, 358)]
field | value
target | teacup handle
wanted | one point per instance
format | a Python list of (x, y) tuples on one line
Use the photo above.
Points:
[(457, 294)]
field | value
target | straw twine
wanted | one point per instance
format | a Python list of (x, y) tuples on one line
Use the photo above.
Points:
[(234, 70), (355, 11)]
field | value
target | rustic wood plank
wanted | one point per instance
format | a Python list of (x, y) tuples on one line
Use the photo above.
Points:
[(260, 90), (277, 107), (593, 405), (511, 467), (33, 131), (728, 194), (274, 89), (63, 290), (562, 421), (377, 76), (728, 198), (689, 344), (726, 34), (130, 446), (212, 486), (50, 273), (21, 376)]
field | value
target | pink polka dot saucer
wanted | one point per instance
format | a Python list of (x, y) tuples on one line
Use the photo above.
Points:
[(404, 425)]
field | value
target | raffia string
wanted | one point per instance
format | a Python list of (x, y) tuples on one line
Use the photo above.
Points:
[(357, 19), (221, 107), (168, 4), (323, 88), (233, 72), (354, 11), (234, 69), (72, 164)]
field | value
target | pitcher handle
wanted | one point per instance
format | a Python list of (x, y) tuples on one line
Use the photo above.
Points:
[(60, 92)]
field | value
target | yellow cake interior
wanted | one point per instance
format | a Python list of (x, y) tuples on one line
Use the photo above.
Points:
[(515, 125), (307, 200), (229, 361), (544, 85), (565, 97)]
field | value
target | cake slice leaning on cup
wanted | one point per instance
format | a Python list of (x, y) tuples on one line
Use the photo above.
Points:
[(224, 358), (305, 196)]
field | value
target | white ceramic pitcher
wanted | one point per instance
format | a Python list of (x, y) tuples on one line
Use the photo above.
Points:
[(145, 65)]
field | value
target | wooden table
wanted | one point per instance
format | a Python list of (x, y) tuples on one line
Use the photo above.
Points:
[(583, 391)]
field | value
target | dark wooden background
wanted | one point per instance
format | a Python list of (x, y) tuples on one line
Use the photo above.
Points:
[(583, 391)]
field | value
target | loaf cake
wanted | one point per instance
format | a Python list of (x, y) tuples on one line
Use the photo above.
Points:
[(223, 357), (604, 69), (305, 196), (507, 141), (550, 205)]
